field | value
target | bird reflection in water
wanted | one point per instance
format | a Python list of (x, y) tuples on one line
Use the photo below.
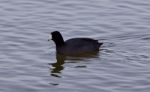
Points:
[(58, 65)]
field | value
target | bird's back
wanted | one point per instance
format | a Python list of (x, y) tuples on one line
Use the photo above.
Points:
[(79, 45)]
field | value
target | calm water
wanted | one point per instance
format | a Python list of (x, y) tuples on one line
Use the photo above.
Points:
[(28, 61)]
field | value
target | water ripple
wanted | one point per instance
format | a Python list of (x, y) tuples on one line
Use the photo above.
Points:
[(28, 61)]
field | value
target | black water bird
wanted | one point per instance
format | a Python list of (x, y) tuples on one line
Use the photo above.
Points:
[(74, 46)]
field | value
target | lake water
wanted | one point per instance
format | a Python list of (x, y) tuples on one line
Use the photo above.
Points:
[(28, 60)]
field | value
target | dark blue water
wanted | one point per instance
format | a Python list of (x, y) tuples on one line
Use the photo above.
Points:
[(28, 60)]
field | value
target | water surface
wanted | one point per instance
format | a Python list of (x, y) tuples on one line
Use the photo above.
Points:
[(28, 61)]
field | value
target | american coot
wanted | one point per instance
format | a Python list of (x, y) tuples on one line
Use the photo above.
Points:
[(74, 46)]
